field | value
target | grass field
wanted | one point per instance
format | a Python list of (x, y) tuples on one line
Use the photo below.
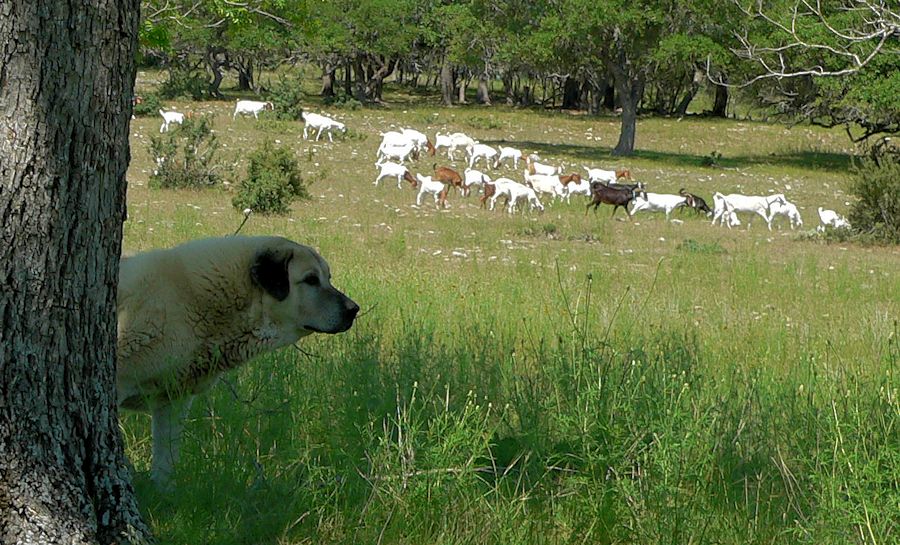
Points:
[(552, 378)]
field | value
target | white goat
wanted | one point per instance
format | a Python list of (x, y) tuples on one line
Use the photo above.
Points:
[(419, 139), (429, 186), (606, 176), (475, 177), (582, 187), (251, 107), (508, 153), (170, 118), (830, 218), (393, 170), (482, 151), (323, 124), (535, 167), (753, 204), (547, 184), (788, 210), (499, 189), (516, 193), (452, 142), (657, 201), (400, 152), (723, 210)]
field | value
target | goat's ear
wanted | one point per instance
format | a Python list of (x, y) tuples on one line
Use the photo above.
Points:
[(270, 272)]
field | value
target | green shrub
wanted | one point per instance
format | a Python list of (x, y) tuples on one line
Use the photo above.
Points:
[(712, 160), (287, 97), (185, 156), (273, 181), (342, 100), (149, 106), (184, 84), (876, 186)]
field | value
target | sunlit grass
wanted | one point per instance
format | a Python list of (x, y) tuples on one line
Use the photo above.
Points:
[(547, 378)]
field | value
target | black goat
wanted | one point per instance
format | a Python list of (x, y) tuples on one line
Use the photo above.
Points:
[(695, 202), (616, 196)]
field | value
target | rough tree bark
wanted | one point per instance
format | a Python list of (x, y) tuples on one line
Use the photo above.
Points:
[(720, 106), (446, 83), (66, 79), (484, 90), (630, 90)]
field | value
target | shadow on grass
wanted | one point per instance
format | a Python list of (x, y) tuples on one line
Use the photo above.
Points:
[(812, 160)]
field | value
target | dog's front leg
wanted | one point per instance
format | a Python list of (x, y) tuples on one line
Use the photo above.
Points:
[(168, 421)]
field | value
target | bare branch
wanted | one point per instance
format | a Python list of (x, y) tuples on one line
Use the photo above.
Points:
[(855, 47)]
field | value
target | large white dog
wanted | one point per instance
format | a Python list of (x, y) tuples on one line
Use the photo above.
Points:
[(189, 313)]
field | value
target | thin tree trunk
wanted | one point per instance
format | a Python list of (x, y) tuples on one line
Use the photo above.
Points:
[(484, 92), (463, 84), (446, 83), (328, 71), (348, 79), (720, 106), (65, 105), (571, 94), (630, 92)]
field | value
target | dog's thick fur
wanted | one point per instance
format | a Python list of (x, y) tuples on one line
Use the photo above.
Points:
[(189, 313)]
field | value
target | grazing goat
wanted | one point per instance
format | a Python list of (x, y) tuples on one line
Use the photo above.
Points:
[(251, 107), (491, 189), (400, 152), (474, 177), (657, 201), (482, 151), (722, 209), (581, 187), (449, 177), (429, 186), (695, 202), (830, 218), (607, 176), (616, 196), (170, 118), (323, 124), (554, 185), (753, 204), (420, 140), (454, 141), (508, 153), (516, 193), (393, 170), (788, 210), (534, 167)]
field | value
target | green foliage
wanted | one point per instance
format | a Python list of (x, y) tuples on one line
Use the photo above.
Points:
[(876, 186), (692, 246), (273, 181), (149, 106), (287, 98), (186, 156), (342, 100), (712, 159), (184, 84)]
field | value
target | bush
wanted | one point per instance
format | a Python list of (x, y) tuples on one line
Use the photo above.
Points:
[(273, 181), (184, 84), (876, 186), (185, 156), (342, 100), (149, 106), (287, 97)]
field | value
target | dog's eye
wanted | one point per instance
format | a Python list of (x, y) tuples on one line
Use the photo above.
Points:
[(311, 280)]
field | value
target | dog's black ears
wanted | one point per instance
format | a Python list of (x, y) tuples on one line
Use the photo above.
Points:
[(270, 272)]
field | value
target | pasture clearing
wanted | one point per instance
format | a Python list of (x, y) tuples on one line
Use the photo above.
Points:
[(547, 378)]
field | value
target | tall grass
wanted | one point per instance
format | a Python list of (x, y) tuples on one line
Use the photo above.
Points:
[(594, 382)]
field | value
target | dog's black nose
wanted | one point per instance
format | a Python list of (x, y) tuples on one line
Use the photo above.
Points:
[(351, 309)]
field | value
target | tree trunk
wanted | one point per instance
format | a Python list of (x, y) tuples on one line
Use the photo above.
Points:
[(359, 85), (571, 94), (446, 83), (484, 91), (216, 58), (463, 84), (65, 104), (720, 106), (630, 91), (348, 79), (328, 71), (245, 74), (682, 107)]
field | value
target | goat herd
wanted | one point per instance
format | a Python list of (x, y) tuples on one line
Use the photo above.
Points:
[(541, 180)]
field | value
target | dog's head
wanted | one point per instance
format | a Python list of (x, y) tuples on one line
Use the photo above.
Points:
[(298, 291)]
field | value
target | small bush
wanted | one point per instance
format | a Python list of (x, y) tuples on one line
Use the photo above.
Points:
[(876, 186), (273, 181), (185, 156), (692, 246), (484, 123), (712, 160), (184, 84), (287, 97), (343, 100), (149, 106)]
